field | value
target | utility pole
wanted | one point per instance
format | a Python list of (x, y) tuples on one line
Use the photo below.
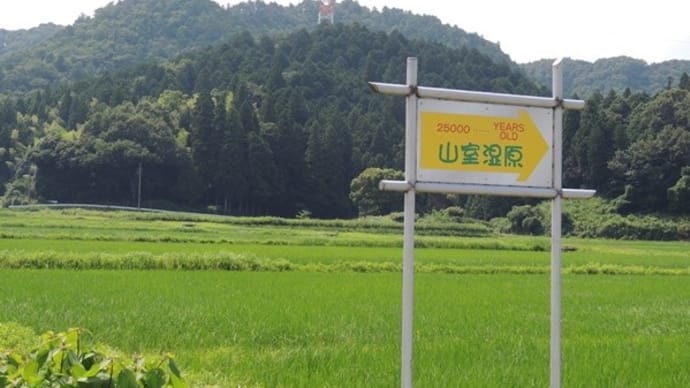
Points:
[(139, 187)]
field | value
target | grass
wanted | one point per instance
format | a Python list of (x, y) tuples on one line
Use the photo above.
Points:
[(342, 329), (299, 303)]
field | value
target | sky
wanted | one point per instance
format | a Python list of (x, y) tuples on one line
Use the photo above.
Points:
[(527, 30)]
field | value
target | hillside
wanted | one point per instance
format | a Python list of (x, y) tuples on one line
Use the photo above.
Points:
[(282, 123), (134, 31), (21, 40), (267, 125), (619, 73)]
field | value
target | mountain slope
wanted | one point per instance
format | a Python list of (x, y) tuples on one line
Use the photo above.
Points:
[(19, 40), (618, 73), (133, 31)]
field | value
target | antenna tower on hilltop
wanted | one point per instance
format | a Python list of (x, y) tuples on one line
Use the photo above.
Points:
[(326, 11)]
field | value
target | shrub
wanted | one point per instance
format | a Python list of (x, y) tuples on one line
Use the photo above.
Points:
[(500, 225), (455, 213), (60, 360), (684, 231), (526, 219), (366, 196), (15, 336)]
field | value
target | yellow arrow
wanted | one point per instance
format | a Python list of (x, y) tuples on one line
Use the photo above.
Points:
[(464, 142)]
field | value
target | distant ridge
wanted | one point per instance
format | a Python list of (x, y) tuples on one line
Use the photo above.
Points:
[(617, 73)]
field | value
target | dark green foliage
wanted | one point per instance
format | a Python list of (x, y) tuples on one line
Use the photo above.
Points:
[(630, 147), (649, 167)]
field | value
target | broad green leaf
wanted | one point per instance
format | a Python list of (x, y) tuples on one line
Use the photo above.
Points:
[(173, 367), (30, 373), (154, 378), (96, 368), (72, 338), (55, 359), (78, 371), (126, 379), (42, 355), (177, 382)]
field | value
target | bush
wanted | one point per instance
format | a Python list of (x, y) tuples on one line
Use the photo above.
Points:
[(526, 219), (500, 225), (366, 196), (455, 213), (60, 360), (637, 228), (397, 216), (684, 231)]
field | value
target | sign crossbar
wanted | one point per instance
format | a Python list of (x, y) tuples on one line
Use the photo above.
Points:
[(474, 96)]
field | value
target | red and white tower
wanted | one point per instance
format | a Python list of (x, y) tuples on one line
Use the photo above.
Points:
[(326, 11)]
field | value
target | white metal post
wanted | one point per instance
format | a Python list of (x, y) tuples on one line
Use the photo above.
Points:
[(556, 214), (408, 238)]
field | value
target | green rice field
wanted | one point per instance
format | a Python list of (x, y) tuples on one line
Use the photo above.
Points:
[(292, 303)]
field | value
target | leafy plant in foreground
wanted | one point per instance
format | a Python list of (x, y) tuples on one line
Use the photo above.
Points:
[(61, 361)]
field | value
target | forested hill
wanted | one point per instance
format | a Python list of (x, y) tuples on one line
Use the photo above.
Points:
[(20, 40), (619, 73), (133, 31), (255, 125)]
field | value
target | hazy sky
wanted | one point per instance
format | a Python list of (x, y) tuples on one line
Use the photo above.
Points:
[(527, 30)]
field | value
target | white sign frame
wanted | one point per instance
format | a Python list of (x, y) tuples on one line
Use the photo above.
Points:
[(411, 185)]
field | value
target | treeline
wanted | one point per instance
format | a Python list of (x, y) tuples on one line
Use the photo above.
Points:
[(252, 126)]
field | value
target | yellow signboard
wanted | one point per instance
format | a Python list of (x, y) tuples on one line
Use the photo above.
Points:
[(483, 143)]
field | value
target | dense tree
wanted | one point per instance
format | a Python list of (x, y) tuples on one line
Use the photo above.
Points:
[(233, 167), (366, 196), (205, 141), (328, 162), (649, 167)]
